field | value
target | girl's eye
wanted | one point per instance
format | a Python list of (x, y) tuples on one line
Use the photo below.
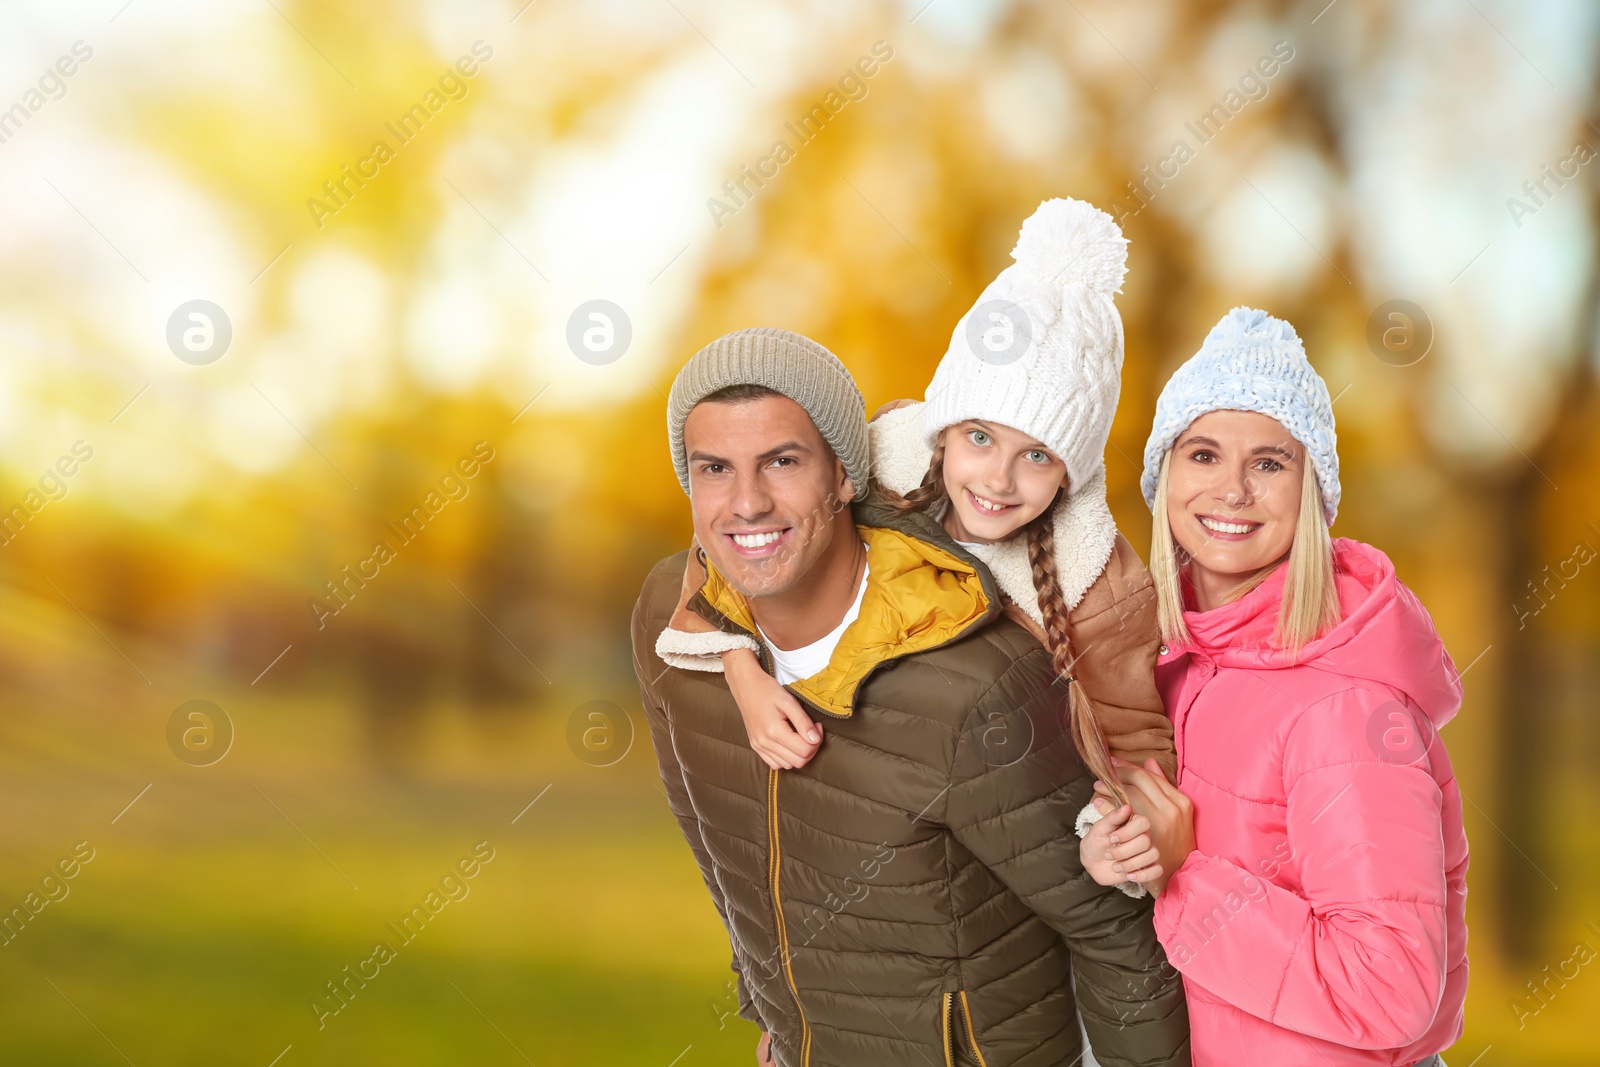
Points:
[(978, 437), (1037, 456), (1271, 466), (1202, 456)]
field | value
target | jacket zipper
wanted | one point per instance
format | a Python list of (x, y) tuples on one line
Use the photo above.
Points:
[(972, 1037), (777, 911), (947, 1023)]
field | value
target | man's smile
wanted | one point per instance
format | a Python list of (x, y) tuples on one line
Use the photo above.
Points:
[(757, 544)]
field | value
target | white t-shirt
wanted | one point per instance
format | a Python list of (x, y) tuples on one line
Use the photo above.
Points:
[(794, 664)]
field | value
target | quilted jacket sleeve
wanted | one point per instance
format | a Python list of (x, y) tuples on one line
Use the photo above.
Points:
[(1117, 639), (649, 614), (1358, 957), (1015, 789)]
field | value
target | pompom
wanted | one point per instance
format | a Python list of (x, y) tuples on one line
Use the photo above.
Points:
[(1071, 242), (1244, 323)]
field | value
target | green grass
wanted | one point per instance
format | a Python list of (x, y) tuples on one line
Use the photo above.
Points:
[(207, 921), (564, 951)]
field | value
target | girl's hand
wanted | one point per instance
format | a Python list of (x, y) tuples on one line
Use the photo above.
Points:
[(1171, 816), (1117, 848), (778, 728), (1133, 854), (1141, 805)]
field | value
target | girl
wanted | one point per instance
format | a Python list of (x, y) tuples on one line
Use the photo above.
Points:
[(1006, 454), (1310, 876)]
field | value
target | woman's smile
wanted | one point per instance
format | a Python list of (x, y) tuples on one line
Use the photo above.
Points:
[(1228, 530)]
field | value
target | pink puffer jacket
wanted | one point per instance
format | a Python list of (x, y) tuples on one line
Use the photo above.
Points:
[(1322, 919)]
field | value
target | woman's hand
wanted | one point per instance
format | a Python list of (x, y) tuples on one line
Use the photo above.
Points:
[(777, 726), (1171, 816)]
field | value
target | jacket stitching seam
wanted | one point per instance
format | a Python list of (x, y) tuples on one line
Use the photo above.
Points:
[(1289, 969), (1190, 772)]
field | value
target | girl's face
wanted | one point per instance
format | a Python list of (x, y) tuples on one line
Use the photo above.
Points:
[(1233, 495), (998, 479)]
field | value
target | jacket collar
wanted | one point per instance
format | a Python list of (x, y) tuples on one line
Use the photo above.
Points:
[(923, 592), (1384, 634)]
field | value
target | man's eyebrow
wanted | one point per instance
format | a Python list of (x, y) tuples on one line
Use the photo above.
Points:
[(778, 450), (697, 456)]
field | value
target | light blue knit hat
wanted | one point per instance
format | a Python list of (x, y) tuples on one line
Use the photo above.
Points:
[(1250, 361)]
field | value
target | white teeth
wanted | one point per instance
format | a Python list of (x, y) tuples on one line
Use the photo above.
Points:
[(989, 505), (1228, 527), (756, 540)]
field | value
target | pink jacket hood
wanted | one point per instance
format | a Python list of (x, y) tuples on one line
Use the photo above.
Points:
[(1384, 635)]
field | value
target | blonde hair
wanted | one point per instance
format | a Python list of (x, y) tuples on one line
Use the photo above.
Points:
[(1310, 596), (1087, 737)]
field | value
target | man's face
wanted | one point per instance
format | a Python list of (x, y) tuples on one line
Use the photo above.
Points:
[(768, 494)]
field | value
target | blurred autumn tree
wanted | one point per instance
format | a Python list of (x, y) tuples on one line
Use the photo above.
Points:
[(1376, 162)]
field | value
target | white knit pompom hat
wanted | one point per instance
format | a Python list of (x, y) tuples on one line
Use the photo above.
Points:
[(1250, 361), (1041, 350)]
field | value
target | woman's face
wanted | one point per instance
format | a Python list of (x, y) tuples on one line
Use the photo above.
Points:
[(998, 479), (1233, 494)]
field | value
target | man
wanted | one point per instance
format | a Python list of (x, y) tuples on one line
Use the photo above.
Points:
[(913, 895)]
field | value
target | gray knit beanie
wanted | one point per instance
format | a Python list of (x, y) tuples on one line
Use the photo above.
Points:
[(786, 363)]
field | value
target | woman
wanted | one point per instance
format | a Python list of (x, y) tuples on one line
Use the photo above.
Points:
[(1310, 875)]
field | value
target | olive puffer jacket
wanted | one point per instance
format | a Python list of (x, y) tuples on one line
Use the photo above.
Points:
[(913, 895)]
